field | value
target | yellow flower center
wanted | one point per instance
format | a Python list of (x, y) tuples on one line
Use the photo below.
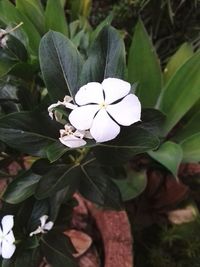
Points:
[(103, 105)]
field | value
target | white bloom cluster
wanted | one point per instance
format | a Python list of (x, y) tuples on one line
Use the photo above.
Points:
[(7, 239), (99, 111), (44, 227)]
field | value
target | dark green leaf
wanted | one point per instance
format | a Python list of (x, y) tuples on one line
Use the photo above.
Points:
[(9, 13), (144, 67), (132, 140), (133, 185), (55, 17), (28, 258), (61, 65), (169, 155), (15, 49), (27, 132), (98, 187), (106, 57), (57, 250), (190, 128), (181, 92), (55, 151), (152, 120), (57, 178), (21, 188)]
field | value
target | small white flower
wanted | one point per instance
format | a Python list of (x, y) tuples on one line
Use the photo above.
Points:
[(7, 239), (3, 38), (66, 102), (44, 227), (73, 138), (103, 107)]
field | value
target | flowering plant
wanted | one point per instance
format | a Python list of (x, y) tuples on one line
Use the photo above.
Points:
[(103, 114)]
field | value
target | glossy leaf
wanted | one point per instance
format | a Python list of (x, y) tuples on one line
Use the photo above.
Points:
[(8, 13), (27, 132), (152, 120), (16, 49), (21, 188), (55, 151), (56, 179), (57, 249), (55, 17), (6, 64), (177, 60), (181, 92), (106, 57), (33, 10), (133, 140), (169, 155), (61, 65), (132, 186), (98, 187), (191, 148), (144, 67)]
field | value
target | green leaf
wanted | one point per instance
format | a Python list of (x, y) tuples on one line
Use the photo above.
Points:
[(144, 67), (16, 49), (55, 151), (191, 148), (61, 65), (98, 187), (57, 178), (132, 140), (190, 128), (169, 155), (55, 17), (27, 132), (33, 10), (181, 92), (9, 13), (57, 250), (6, 64), (132, 186), (106, 57), (152, 120), (21, 188), (177, 60)]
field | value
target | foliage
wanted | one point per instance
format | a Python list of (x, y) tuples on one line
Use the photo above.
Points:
[(43, 61)]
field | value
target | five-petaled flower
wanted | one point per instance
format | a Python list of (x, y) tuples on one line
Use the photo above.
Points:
[(102, 108), (44, 227), (7, 239)]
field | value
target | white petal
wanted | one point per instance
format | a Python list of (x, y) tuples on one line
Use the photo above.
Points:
[(43, 220), (10, 237), (7, 249), (52, 107), (81, 118), (72, 141), (115, 89), (7, 223), (103, 127), (127, 111), (90, 93), (37, 231), (48, 226)]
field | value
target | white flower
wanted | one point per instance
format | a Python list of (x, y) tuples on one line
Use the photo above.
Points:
[(3, 38), (73, 138), (44, 227), (103, 107), (7, 239), (66, 102)]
